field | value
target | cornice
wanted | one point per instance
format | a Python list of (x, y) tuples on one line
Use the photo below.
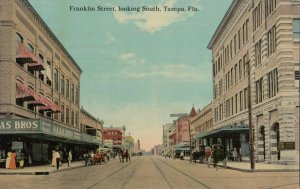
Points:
[(233, 13), (27, 7)]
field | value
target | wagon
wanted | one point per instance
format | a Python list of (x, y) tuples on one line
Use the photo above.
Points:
[(99, 157)]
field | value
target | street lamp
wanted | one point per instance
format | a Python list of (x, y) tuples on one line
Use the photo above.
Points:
[(251, 137), (189, 122)]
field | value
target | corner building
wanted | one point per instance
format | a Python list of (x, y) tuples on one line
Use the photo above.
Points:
[(39, 87), (266, 33)]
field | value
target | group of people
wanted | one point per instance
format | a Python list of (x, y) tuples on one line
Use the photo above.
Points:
[(57, 157)]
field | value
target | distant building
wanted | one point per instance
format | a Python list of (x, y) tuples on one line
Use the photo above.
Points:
[(157, 150), (168, 130), (114, 137)]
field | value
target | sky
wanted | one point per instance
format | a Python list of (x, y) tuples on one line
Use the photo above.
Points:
[(138, 67)]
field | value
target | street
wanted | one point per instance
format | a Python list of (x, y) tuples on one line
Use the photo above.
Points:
[(153, 172)]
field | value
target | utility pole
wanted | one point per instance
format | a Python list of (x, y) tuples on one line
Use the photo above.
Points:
[(251, 137)]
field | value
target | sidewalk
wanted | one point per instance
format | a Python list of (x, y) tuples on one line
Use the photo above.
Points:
[(41, 170), (259, 167)]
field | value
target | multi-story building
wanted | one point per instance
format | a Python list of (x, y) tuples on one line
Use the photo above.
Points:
[(260, 37), (92, 128), (201, 123), (39, 86), (168, 129), (114, 137)]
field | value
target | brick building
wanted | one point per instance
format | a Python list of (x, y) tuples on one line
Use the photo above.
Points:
[(266, 33)]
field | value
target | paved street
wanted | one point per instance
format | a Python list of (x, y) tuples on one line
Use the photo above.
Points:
[(153, 173)]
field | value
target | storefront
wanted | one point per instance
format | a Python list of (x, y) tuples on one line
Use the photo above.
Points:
[(37, 138)]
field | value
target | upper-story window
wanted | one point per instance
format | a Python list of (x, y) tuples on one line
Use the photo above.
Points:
[(72, 93), (77, 96), (273, 83), (270, 6), (30, 48), (48, 73), (67, 116), (62, 115), (296, 29), (257, 16), (67, 89), (259, 90), (56, 79), (19, 38), (62, 85), (41, 75), (271, 40), (257, 51)]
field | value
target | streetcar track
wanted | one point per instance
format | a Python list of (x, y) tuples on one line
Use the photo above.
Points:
[(130, 177), (187, 175), (165, 178), (112, 173)]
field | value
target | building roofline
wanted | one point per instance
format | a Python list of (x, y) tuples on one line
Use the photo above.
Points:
[(90, 116), (223, 23), (48, 30)]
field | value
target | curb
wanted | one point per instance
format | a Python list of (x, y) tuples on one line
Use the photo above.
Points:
[(40, 172)]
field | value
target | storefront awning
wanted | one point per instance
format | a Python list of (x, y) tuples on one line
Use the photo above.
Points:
[(24, 92), (220, 132)]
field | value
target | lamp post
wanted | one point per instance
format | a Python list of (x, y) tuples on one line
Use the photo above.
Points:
[(189, 122), (251, 137)]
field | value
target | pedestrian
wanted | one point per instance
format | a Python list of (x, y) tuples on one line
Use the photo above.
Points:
[(234, 154), (8, 160), (53, 162), (181, 155), (12, 163), (69, 158), (57, 157)]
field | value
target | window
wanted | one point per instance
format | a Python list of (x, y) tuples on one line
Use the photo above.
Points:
[(234, 44), (245, 98), (76, 119), (257, 16), (30, 106), (41, 75), (240, 69), (271, 40), (30, 48), (296, 29), (239, 39), (62, 115), (270, 6), (19, 38), (259, 90), (257, 51), (247, 29), (72, 93), (77, 96), (62, 85), (48, 73), (72, 118), (56, 79), (273, 83), (67, 116), (241, 100), (245, 65), (67, 89), (56, 115), (235, 73)]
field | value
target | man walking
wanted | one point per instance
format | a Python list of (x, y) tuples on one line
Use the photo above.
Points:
[(69, 158)]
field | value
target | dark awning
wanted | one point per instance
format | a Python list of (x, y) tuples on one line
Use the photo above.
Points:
[(223, 131)]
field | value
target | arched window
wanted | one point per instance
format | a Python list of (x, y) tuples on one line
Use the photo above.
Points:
[(56, 79), (67, 88), (30, 48), (19, 38), (41, 75), (48, 73), (62, 85)]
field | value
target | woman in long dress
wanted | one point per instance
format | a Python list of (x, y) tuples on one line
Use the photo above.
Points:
[(8, 160), (12, 163), (53, 162)]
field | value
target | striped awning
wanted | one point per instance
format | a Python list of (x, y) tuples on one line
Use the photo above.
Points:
[(24, 55)]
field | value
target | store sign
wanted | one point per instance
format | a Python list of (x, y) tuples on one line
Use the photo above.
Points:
[(19, 125), (286, 146), (17, 145)]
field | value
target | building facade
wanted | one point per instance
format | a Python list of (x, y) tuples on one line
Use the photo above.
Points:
[(39, 87), (114, 137), (258, 41), (168, 129), (201, 123)]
